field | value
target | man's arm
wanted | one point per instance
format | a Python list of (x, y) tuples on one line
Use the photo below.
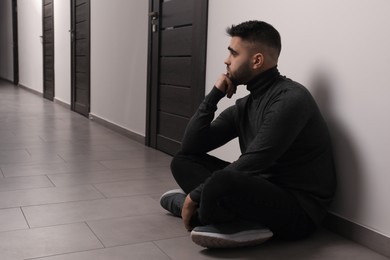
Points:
[(202, 133)]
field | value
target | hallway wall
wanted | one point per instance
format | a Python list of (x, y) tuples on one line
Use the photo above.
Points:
[(62, 49), (339, 50), (119, 33), (30, 44)]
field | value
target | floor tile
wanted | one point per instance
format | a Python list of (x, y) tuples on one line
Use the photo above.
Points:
[(9, 199), (13, 156), (47, 241), (24, 157), (136, 187), (94, 156), (107, 176), (62, 213), (144, 251), (69, 148), (130, 230), (27, 182), (139, 161), (12, 219), (50, 168)]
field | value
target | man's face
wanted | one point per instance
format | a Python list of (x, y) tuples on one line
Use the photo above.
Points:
[(239, 61)]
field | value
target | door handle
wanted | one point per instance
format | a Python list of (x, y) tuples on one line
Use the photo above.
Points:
[(71, 34), (154, 17)]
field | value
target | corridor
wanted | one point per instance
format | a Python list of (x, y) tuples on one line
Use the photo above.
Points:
[(71, 189)]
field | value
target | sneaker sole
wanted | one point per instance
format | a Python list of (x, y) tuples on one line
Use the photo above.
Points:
[(245, 238)]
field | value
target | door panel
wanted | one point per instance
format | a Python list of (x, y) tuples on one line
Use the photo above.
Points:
[(81, 56), (173, 99), (176, 42), (176, 71), (177, 13), (48, 49)]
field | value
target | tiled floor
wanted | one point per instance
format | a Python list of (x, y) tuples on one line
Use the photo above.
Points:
[(72, 189)]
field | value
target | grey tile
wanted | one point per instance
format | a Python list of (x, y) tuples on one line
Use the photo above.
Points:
[(134, 163), (136, 187), (47, 241), (12, 219), (101, 139), (132, 146), (93, 156), (50, 168), (27, 182), (65, 149), (104, 176), (131, 230), (55, 214), (13, 156), (17, 141), (163, 171), (24, 157), (144, 251), (40, 196), (145, 159)]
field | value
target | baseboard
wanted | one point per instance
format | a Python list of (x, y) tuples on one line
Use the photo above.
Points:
[(31, 90), (61, 103), (360, 234), (134, 136)]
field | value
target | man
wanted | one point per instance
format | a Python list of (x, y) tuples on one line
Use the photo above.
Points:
[(284, 179)]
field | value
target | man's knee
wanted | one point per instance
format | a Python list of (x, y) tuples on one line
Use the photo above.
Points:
[(178, 163)]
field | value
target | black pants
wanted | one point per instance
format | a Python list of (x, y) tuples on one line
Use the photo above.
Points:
[(228, 196)]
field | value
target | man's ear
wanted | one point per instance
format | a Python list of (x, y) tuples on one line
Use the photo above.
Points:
[(258, 60)]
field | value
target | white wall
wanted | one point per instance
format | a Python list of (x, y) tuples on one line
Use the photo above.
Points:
[(344, 45), (30, 44), (6, 41), (62, 51), (119, 62)]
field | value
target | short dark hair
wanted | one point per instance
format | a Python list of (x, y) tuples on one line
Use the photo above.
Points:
[(257, 31)]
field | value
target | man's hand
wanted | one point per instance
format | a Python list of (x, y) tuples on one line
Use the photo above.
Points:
[(225, 85), (189, 209)]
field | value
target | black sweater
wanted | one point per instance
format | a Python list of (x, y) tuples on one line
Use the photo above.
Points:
[(282, 137)]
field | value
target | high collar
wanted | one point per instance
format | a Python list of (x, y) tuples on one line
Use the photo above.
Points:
[(262, 82)]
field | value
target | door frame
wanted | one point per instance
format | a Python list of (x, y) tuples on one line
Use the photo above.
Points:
[(199, 45), (73, 57), (152, 71), (45, 93), (15, 41)]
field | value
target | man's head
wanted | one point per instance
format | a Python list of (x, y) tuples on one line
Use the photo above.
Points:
[(255, 47)]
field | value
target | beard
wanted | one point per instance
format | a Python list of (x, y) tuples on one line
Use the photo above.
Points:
[(241, 75)]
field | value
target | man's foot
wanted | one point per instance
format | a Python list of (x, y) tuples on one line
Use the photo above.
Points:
[(173, 201), (230, 235)]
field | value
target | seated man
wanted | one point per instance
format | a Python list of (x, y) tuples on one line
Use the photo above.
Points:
[(284, 179)]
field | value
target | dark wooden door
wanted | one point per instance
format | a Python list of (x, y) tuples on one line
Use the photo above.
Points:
[(48, 49), (176, 71), (80, 60)]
